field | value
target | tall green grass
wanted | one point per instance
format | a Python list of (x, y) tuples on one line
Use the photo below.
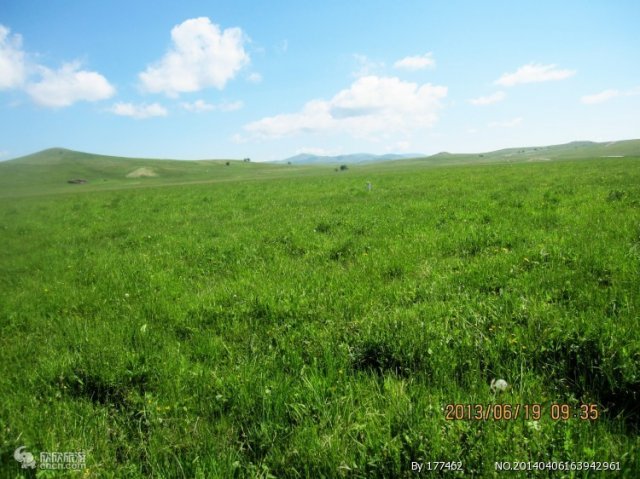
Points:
[(305, 327)]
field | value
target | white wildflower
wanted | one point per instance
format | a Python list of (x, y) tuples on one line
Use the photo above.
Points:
[(499, 385)]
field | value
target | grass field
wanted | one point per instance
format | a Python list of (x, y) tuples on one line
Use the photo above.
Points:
[(277, 321)]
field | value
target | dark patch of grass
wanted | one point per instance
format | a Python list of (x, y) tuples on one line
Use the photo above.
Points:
[(393, 272), (323, 227), (616, 195), (583, 370), (99, 388)]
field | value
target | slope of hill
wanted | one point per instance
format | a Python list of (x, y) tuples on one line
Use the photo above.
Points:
[(62, 170), (309, 159), (573, 150), (59, 169)]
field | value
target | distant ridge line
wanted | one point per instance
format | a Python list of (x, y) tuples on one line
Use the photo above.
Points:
[(614, 149), (605, 149)]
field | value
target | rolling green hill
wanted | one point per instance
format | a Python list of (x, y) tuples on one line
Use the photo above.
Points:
[(50, 171), (568, 151)]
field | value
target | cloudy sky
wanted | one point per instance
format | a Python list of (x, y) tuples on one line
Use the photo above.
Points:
[(268, 80)]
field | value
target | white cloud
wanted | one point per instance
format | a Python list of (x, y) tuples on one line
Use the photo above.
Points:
[(607, 95), (201, 56), (417, 62), (314, 117), (12, 61), (199, 106), (599, 97), (533, 73), (506, 124), (489, 99), (54, 88), (254, 77), (68, 85), (371, 105), (138, 111)]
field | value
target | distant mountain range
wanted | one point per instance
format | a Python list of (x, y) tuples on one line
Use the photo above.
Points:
[(310, 159)]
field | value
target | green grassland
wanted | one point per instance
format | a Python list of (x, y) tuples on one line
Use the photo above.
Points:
[(278, 321), (50, 170)]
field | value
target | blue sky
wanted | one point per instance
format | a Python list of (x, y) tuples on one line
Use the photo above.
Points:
[(268, 80)]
